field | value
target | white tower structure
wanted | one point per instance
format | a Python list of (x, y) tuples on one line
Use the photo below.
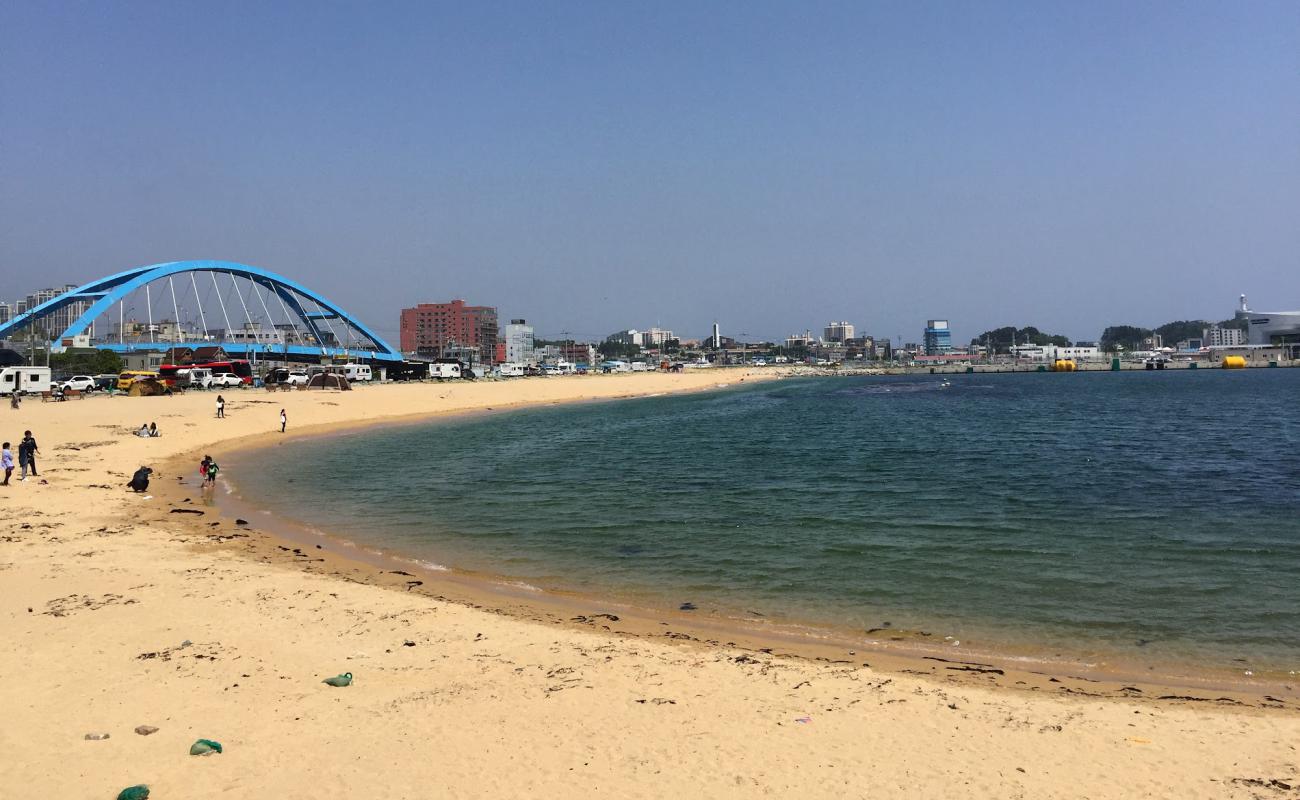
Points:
[(717, 336)]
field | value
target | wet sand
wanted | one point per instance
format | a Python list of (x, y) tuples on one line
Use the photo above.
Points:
[(466, 687)]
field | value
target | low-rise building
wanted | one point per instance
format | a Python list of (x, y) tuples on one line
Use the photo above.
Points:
[(1050, 352)]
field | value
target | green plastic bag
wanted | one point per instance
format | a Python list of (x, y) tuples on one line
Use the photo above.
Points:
[(204, 746), (340, 680), (140, 792)]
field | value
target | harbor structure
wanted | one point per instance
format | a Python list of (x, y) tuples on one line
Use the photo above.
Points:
[(1271, 328), (1046, 353), (938, 337)]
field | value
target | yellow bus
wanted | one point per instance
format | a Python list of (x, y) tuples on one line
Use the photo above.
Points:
[(129, 377)]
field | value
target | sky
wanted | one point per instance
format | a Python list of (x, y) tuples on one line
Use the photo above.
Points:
[(598, 166)]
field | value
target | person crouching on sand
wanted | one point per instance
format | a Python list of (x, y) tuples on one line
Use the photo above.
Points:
[(7, 461)]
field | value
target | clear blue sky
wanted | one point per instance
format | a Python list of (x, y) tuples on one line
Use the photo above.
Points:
[(605, 165)]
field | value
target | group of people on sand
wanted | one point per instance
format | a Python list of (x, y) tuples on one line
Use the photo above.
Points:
[(208, 470), (148, 431), (27, 451)]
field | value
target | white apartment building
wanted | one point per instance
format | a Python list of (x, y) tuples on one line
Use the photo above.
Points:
[(838, 332), (519, 343), (1223, 337)]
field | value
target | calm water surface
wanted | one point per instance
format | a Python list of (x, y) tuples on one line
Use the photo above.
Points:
[(1144, 515)]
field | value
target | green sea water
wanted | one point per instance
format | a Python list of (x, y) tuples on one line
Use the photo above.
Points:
[(1145, 516)]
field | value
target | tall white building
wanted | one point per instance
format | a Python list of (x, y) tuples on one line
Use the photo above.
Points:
[(60, 320), (519, 342), (1215, 336), (629, 336), (838, 332), (655, 337), (716, 338)]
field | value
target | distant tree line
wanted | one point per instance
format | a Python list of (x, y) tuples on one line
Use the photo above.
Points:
[(1002, 339), (83, 362), (1131, 337)]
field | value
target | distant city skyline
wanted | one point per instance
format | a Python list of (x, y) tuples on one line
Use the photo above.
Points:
[(592, 167)]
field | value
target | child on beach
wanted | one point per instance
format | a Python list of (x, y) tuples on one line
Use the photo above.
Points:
[(212, 470), (27, 451), (6, 461), (284, 420)]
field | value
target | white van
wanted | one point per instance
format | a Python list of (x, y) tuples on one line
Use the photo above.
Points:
[(357, 372), (194, 378), (444, 370), (510, 370), (24, 380)]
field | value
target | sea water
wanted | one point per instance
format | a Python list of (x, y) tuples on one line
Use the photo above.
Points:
[(1090, 515)]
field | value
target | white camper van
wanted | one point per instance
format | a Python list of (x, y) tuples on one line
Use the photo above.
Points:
[(194, 377), (357, 372), (442, 370), (24, 380), (510, 370)]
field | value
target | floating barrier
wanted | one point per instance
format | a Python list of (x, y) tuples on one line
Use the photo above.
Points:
[(1234, 362)]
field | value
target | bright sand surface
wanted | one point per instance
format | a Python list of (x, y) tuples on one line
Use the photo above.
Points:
[(496, 698)]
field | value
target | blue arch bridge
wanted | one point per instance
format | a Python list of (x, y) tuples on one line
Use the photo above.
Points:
[(247, 311)]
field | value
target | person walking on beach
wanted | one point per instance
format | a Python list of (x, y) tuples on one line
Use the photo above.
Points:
[(221, 407), (27, 451), (284, 420), (212, 470), (7, 461)]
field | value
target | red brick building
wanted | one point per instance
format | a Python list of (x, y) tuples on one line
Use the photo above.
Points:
[(430, 329)]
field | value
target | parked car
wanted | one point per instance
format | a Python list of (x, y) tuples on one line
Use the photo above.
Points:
[(296, 377), (226, 381), (79, 383)]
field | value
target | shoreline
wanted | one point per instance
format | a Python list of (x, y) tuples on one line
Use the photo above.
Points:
[(128, 610), (897, 650)]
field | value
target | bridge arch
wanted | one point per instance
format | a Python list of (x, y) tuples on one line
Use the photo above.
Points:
[(305, 327)]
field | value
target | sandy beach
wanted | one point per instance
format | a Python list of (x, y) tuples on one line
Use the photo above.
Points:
[(123, 610)]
